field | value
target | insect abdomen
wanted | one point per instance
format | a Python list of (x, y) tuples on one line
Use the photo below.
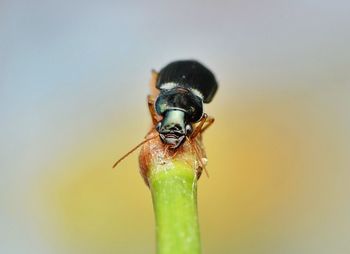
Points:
[(191, 75)]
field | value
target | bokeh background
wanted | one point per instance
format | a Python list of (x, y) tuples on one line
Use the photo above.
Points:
[(73, 86)]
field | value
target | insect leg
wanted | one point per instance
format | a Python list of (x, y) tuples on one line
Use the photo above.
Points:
[(153, 82), (209, 121), (198, 155), (198, 128), (133, 149), (150, 102)]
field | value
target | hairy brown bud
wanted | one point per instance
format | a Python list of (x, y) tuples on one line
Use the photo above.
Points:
[(155, 152)]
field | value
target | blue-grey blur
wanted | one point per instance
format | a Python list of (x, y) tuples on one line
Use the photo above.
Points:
[(73, 80)]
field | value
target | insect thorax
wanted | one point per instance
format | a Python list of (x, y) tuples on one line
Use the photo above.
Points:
[(179, 98)]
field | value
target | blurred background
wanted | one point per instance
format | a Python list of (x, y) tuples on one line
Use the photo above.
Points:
[(73, 84)]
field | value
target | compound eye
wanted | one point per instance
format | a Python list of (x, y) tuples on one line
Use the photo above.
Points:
[(161, 104), (188, 129), (158, 126)]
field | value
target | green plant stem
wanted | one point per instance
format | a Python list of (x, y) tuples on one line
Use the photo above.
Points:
[(174, 193)]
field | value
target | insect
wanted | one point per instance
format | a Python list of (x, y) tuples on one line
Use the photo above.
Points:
[(177, 111)]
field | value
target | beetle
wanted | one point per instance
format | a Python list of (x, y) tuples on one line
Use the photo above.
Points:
[(184, 86), (177, 112)]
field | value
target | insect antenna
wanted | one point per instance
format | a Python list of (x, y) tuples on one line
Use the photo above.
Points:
[(132, 150), (198, 156)]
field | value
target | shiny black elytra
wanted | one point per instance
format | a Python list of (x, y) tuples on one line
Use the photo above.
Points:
[(184, 86)]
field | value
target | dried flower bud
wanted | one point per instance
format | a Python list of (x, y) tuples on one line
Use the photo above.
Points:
[(155, 152)]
